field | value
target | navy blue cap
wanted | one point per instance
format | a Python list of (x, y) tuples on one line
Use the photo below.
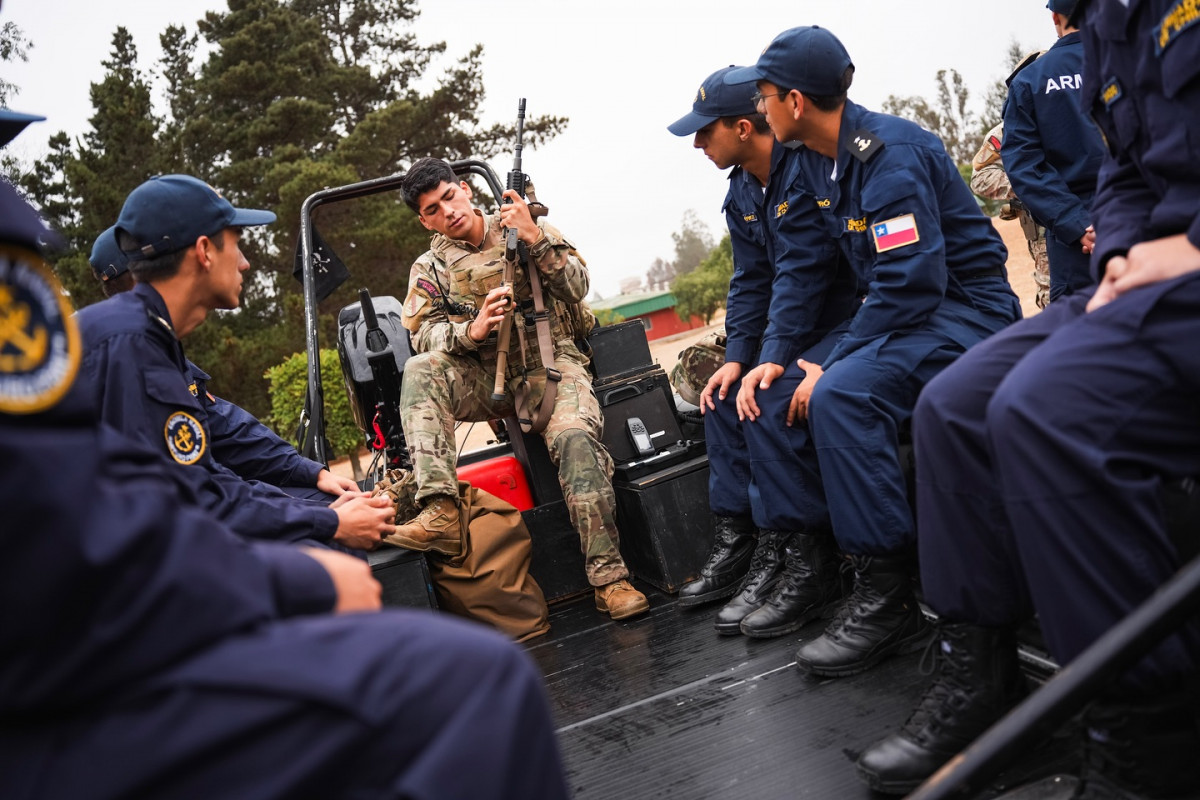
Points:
[(810, 59), (13, 122), (715, 99), (1064, 7), (106, 259), (170, 212)]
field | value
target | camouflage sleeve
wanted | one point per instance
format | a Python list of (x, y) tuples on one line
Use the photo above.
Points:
[(991, 183), (564, 272), (988, 178), (426, 318)]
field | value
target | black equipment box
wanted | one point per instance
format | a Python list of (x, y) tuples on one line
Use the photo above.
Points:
[(557, 563), (646, 397), (352, 352), (666, 526), (404, 576), (619, 350)]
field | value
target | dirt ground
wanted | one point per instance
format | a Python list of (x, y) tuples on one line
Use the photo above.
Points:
[(665, 351)]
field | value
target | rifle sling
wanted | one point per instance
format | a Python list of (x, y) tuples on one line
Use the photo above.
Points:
[(535, 420)]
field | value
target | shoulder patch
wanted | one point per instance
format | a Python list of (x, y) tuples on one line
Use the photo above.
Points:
[(864, 144), (427, 286), (39, 342), (1179, 17), (895, 232), (185, 438), (1111, 92), (414, 304), (994, 141)]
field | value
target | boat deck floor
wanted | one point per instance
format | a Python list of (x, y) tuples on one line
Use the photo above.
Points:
[(661, 706)]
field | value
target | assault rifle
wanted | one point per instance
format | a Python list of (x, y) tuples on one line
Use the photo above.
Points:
[(512, 254)]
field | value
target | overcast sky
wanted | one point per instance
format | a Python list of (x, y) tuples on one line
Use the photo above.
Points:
[(617, 183)]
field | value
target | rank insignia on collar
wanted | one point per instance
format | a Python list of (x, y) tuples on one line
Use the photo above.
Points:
[(185, 438), (864, 144), (39, 343)]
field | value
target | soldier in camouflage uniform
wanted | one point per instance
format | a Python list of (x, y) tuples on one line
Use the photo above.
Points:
[(454, 306), (990, 181)]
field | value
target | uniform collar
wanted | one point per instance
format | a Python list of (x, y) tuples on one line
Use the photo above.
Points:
[(156, 307)]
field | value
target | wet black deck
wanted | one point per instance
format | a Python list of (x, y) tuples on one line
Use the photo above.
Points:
[(663, 707)]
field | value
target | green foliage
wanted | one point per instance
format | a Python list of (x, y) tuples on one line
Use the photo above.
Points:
[(14, 46), (271, 101), (288, 382), (693, 241), (959, 128), (704, 290), (608, 316)]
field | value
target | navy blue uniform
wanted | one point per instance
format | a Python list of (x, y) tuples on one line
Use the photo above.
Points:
[(147, 651), (745, 321), (142, 386), (1052, 153), (807, 297), (900, 214), (1057, 506), (242, 444)]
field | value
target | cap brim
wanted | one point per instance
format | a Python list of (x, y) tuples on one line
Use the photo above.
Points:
[(249, 217), (743, 75), (690, 123), (13, 122)]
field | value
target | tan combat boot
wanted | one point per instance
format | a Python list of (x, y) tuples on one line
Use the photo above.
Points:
[(620, 600), (438, 527)]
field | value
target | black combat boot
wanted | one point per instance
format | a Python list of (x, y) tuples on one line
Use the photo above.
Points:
[(879, 618), (765, 567), (977, 681), (727, 563), (809, 584), (1142, 748)]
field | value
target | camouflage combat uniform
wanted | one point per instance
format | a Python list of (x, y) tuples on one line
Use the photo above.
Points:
[(452, 377), (990, 181)]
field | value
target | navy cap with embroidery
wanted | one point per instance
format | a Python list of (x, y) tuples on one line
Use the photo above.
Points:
[(106, 259), (1064, 7), (170, 212), (715, 99), (810, 59)]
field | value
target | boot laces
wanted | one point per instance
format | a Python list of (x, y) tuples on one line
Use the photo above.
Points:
[(945, 667), (862, 594)]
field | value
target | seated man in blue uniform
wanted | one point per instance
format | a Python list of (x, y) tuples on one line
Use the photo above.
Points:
[(181, 237), (727, 127), (782, 300), (240, 441), (1052, 152), (887, 197), (1042, 454), (156, 654)]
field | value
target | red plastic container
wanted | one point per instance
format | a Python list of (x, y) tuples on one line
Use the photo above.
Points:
[(501, 476)]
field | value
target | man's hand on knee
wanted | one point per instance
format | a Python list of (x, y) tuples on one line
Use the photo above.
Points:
[(761, 377)]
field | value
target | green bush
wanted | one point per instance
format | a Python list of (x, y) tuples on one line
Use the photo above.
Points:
[(288, 386)]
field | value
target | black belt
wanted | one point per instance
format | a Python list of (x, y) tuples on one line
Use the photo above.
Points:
[(986, 272)]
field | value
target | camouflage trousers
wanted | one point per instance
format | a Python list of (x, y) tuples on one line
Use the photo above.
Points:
[(1041, 269), (440, 388)]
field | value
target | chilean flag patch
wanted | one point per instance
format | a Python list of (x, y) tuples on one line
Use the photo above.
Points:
[(894, 233)]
